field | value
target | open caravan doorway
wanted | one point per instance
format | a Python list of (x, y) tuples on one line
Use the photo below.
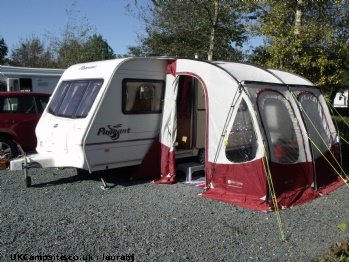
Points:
[(182, 137), (191, 119)]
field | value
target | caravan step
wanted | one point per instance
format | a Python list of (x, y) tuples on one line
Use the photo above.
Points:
[(189, 169)]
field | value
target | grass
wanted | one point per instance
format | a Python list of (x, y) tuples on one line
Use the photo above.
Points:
[(339, 252)]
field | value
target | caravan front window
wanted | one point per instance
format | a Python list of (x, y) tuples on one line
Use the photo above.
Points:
[(74, 99), (142, 96)]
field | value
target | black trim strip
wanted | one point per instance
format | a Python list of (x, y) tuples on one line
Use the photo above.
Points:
[(117, 142), (262, 83)]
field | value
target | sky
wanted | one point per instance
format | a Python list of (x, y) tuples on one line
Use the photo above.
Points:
[(22, 19)]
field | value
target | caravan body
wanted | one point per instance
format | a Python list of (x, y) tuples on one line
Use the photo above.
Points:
[(105, 115), (341, 99), (258, 126), (42, 80)]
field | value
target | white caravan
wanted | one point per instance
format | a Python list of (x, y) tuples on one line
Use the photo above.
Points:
[(341, 99), (107, 114), (42, 80)]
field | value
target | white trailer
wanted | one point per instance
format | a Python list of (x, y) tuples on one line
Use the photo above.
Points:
[(43, 80), (341, 99), (106, 114)]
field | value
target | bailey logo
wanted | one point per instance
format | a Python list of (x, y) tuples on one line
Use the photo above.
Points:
[(113, 132), (87, 67)]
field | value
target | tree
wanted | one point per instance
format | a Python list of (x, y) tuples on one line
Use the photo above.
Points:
[(206, 28), (68, 47), (78, 44), (307, 37), (96, 48), (3, 51), (32, 53), (69, 53)]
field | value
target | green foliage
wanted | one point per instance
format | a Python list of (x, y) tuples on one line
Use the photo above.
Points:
[(32, 53), (69, 53), (307, 37), (342, 227), (3, 51), (189, 28), (339, 252), (94, 49), (78, 44)]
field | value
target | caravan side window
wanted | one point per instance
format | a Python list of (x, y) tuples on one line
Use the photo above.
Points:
[(142, 96), (242, 142), (74, 99)]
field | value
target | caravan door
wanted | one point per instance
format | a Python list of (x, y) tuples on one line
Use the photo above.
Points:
[(13, 84), (191, 116)]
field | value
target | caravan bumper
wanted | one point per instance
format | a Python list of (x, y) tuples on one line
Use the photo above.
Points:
[(31, 161)]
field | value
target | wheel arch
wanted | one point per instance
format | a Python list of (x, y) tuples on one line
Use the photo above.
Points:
[(7, 135)]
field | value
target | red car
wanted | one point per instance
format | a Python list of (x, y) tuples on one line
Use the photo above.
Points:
[(19, 115)]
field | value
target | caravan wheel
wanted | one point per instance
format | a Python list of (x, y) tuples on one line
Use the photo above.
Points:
[(201, 156)]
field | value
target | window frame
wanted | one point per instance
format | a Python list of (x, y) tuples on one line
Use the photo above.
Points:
[(141, 81), (66, 88)]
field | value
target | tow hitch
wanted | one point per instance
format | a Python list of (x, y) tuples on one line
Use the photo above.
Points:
[(28, 180)]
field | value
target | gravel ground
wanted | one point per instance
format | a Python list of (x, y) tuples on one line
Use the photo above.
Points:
[(64, 213)]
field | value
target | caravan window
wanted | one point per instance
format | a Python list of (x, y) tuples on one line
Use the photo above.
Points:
[(142, 96), (75, 98), (242, 142)]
